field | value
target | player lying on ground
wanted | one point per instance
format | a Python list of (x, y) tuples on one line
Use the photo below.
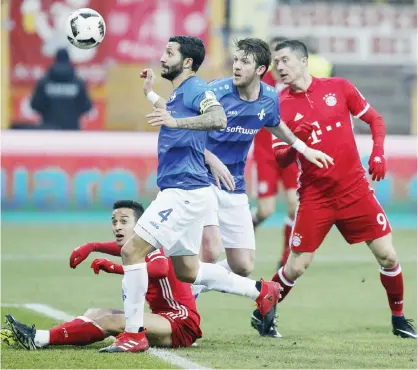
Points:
[(320, 109), (174, 321)]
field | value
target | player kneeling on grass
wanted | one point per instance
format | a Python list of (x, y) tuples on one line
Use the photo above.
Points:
[(174, 321), (319, 112)]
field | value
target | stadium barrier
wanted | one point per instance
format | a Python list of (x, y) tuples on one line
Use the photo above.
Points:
[(87, 171)]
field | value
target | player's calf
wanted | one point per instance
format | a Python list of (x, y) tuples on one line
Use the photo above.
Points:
[(296, 264)]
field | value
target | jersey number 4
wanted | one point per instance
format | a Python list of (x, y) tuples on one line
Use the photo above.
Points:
[(164, 214)]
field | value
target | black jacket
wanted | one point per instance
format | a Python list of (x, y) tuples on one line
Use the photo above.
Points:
[(60, 97)]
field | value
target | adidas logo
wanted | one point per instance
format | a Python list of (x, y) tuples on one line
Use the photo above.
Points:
[(298, 117)]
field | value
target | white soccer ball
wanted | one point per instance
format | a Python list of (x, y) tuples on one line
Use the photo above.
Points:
[(85, 28)]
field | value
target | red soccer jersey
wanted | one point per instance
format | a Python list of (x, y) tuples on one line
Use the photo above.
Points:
[(328, 105), (263, 139), (168, 294)]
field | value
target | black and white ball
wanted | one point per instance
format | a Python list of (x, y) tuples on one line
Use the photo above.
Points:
[(85, 28)]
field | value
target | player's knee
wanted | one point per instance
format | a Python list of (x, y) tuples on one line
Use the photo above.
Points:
[(265, 211), (388, 259), (186, 276), (243, 267)]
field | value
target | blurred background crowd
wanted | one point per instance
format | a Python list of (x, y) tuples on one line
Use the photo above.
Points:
[(373, 43), (98, 93)]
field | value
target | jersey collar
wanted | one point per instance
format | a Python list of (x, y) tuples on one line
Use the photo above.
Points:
[(311, 88)]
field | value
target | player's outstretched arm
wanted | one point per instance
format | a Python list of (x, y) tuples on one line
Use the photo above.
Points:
[(149, 80), (219, 171), (214, 118), (285, 154), (314, 156), (157, 267), (82, 252)]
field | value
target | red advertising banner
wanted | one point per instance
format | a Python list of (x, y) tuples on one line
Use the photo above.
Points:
[(137, 30), (37, 32)]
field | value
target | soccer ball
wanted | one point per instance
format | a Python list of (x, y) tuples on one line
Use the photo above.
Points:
[(85, 28)]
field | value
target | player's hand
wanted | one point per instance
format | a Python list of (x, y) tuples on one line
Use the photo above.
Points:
[(303, 131), (221, 173), (103, 264), (160, 117), (318, 158), (149, 79), (80, 254), (377, 164)]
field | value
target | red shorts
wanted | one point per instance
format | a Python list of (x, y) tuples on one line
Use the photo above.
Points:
[(269, 173), (358, 216), (184, 331)]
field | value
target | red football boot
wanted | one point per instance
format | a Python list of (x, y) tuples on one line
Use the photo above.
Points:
[(266, 304), (128, 342)]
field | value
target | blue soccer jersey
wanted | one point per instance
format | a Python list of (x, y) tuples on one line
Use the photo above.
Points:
[(245, 119), (181, 162)]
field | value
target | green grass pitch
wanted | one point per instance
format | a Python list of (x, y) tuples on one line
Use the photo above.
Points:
[(337, 315)]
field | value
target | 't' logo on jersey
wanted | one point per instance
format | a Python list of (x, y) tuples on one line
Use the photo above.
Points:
[(261, 115)]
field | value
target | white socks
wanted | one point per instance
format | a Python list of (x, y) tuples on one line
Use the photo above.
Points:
[(216, 277), (134, 287), (41, 338), (224, 264), (197, 289)]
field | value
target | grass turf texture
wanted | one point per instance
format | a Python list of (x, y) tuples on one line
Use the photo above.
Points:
[(337, 315)]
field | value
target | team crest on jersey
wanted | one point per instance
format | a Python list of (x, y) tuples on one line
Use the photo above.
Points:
[(172, 97), (261, 114), (296, 240), (330, 100)]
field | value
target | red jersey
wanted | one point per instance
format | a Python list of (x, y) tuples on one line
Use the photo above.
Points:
[(263, 139), (328, 105), (165, 292)]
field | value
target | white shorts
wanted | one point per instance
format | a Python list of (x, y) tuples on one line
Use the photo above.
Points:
[(175, 219), (231, 212)]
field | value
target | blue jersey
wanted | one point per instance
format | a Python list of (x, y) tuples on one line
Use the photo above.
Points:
[(181, 161), (245, 119)]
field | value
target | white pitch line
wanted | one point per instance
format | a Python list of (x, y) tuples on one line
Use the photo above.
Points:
[(164, 355)]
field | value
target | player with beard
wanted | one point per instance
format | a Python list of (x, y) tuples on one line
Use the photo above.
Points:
[(174, 220)]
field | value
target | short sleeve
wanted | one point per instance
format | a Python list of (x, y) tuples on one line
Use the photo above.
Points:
[(199, 97), (275, 117), (356, 102)]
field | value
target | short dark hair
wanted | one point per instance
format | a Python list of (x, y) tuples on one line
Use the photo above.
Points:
[(138, 208), (258, 48), (277, 39), (191, 47), (296, 46)]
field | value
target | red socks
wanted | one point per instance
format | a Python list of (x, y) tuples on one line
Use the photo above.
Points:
[(392, 281), (286, 284), (79, 331)]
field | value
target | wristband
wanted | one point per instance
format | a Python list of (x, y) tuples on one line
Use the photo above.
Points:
[(299, 145), (153, 97)]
